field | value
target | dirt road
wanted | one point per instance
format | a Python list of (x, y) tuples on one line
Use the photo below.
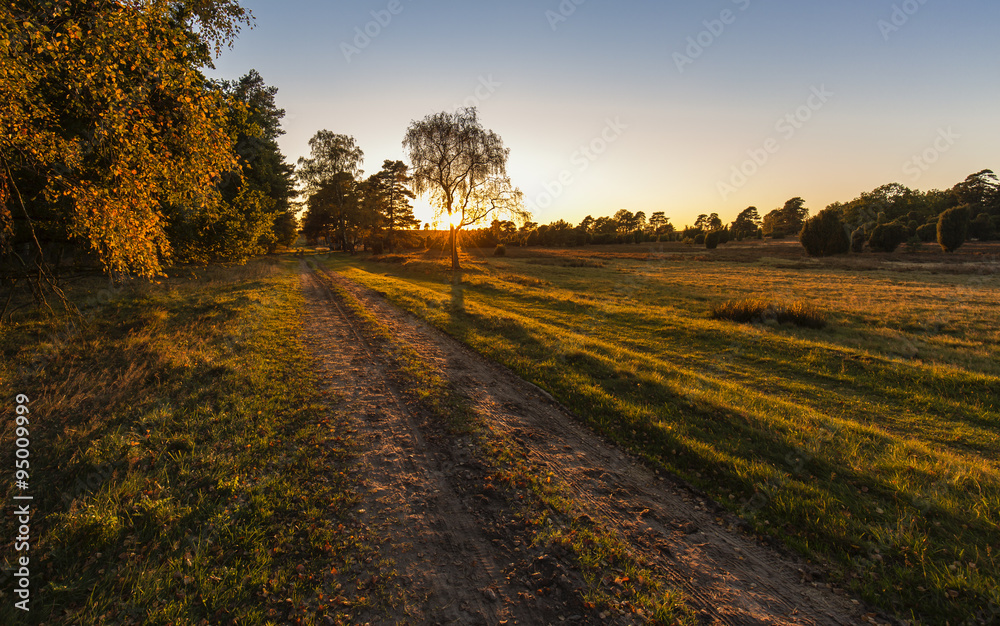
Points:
[(459, 549)]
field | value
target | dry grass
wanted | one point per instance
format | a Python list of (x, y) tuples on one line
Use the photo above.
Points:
[(762, 310)]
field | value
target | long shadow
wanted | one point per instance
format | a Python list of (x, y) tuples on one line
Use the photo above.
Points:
[(457, 292)]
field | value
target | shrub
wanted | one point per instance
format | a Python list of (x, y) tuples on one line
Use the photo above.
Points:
[(927, 232), (952, 228), (887, 237), (825, 234), (501, 250), (981, 228), (761, 310), (858, 240), (699, 239), (913, 244), (724, 236), (712, 240)]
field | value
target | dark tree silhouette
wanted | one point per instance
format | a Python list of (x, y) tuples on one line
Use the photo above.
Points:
[(463, 167)]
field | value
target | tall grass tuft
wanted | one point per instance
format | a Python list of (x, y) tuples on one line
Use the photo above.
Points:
[(759, 309)]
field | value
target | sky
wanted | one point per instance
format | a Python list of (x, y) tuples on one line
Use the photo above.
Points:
[(681, 107)]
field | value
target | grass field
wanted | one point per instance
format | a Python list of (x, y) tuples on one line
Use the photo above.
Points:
[(188, 466), (869, 445), (185, 467)]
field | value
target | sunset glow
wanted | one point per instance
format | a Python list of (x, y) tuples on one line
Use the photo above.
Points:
[(521, 312), (687, 109)]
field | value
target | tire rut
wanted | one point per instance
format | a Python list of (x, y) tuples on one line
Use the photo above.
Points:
[(436, 544)]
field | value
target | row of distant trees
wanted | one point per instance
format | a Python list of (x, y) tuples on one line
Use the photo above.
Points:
[(879, 220), (623, 227), (117, 151), (893, 214)]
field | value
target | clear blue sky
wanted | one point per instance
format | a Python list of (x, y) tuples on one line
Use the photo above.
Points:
[(666, 97)]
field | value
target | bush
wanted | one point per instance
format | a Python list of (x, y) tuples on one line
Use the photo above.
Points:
[(762, 310), (712, 240), (927, 233), (825, 234), (724, 236), (887, 237), (952, 228), (501, 250), (699, 239), (858, 240), (981, 228)]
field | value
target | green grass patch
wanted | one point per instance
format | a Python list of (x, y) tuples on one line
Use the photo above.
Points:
[(185, 465), (869, 445)]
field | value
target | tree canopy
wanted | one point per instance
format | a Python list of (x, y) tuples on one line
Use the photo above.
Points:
[(254, 213), (746, 223), (331, 182), (105, 119), (463, 168), (787, 220), (388, 194), (347, 210)]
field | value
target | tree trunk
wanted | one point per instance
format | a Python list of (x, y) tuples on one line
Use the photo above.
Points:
[(453, 239)]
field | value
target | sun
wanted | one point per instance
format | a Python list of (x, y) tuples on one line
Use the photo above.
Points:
[(424, 211), (455, 219)]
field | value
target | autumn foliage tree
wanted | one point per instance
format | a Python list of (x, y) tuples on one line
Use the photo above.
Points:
[(253, 214), (105, 118)]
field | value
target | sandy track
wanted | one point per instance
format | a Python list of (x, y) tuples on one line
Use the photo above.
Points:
[(452, 543)]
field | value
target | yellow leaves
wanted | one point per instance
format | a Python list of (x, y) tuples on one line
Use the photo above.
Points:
[(161, 153)]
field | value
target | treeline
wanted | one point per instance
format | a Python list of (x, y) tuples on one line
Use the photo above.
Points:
[(893, 214), (623, 227), (880, 220), (117, 152)]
